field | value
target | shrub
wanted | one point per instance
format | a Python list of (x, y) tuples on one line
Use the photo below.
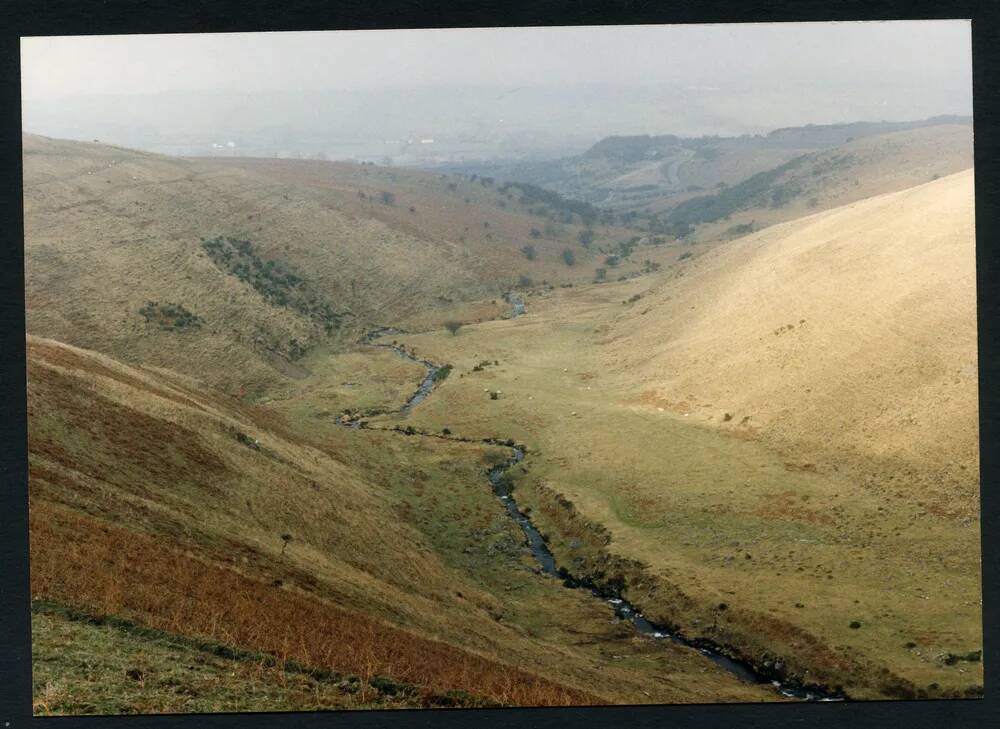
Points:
[(442, 373), (600, 274), (388, 198), (612, 260), (525, 282), (529, 252), (536, 233), (453, 326), (170, 316), (742, 229), (683, 256), (585, 237), (569, 258)]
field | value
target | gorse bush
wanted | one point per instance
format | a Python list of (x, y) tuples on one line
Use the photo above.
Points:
[(556, 205), (741, 229), (759, 190), (277, 282), (170, 316)]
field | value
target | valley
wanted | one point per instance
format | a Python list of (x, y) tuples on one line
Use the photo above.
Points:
[(739, 436)]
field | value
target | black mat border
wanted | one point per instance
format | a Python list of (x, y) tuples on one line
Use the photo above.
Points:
[(62, 17)]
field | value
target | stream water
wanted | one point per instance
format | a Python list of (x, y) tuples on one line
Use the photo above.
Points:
[(539, 548)]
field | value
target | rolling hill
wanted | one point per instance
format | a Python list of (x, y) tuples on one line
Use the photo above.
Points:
[(188, 263), (671, 182)]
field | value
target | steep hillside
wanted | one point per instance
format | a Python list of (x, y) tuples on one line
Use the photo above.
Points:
[(850, 331), (188, 264), (156, 501)]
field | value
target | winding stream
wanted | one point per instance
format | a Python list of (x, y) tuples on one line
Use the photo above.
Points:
[(543, 555)]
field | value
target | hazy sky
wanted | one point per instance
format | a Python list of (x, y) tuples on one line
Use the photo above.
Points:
[(694, 79), (924, 57)]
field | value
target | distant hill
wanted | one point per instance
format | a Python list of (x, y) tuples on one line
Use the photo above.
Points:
[(651, 178)]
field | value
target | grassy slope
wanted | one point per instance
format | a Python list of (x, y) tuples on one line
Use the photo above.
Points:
[(889, 282), (827, 491), (88, 665), (423, 545)]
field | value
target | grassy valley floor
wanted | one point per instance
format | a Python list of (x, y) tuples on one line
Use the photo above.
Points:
[(734, 542)]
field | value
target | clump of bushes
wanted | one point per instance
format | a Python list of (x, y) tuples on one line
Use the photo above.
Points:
[(554, 204), (742, 229), (247, 440), (276, 281), (442, 373), (170, 316)]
